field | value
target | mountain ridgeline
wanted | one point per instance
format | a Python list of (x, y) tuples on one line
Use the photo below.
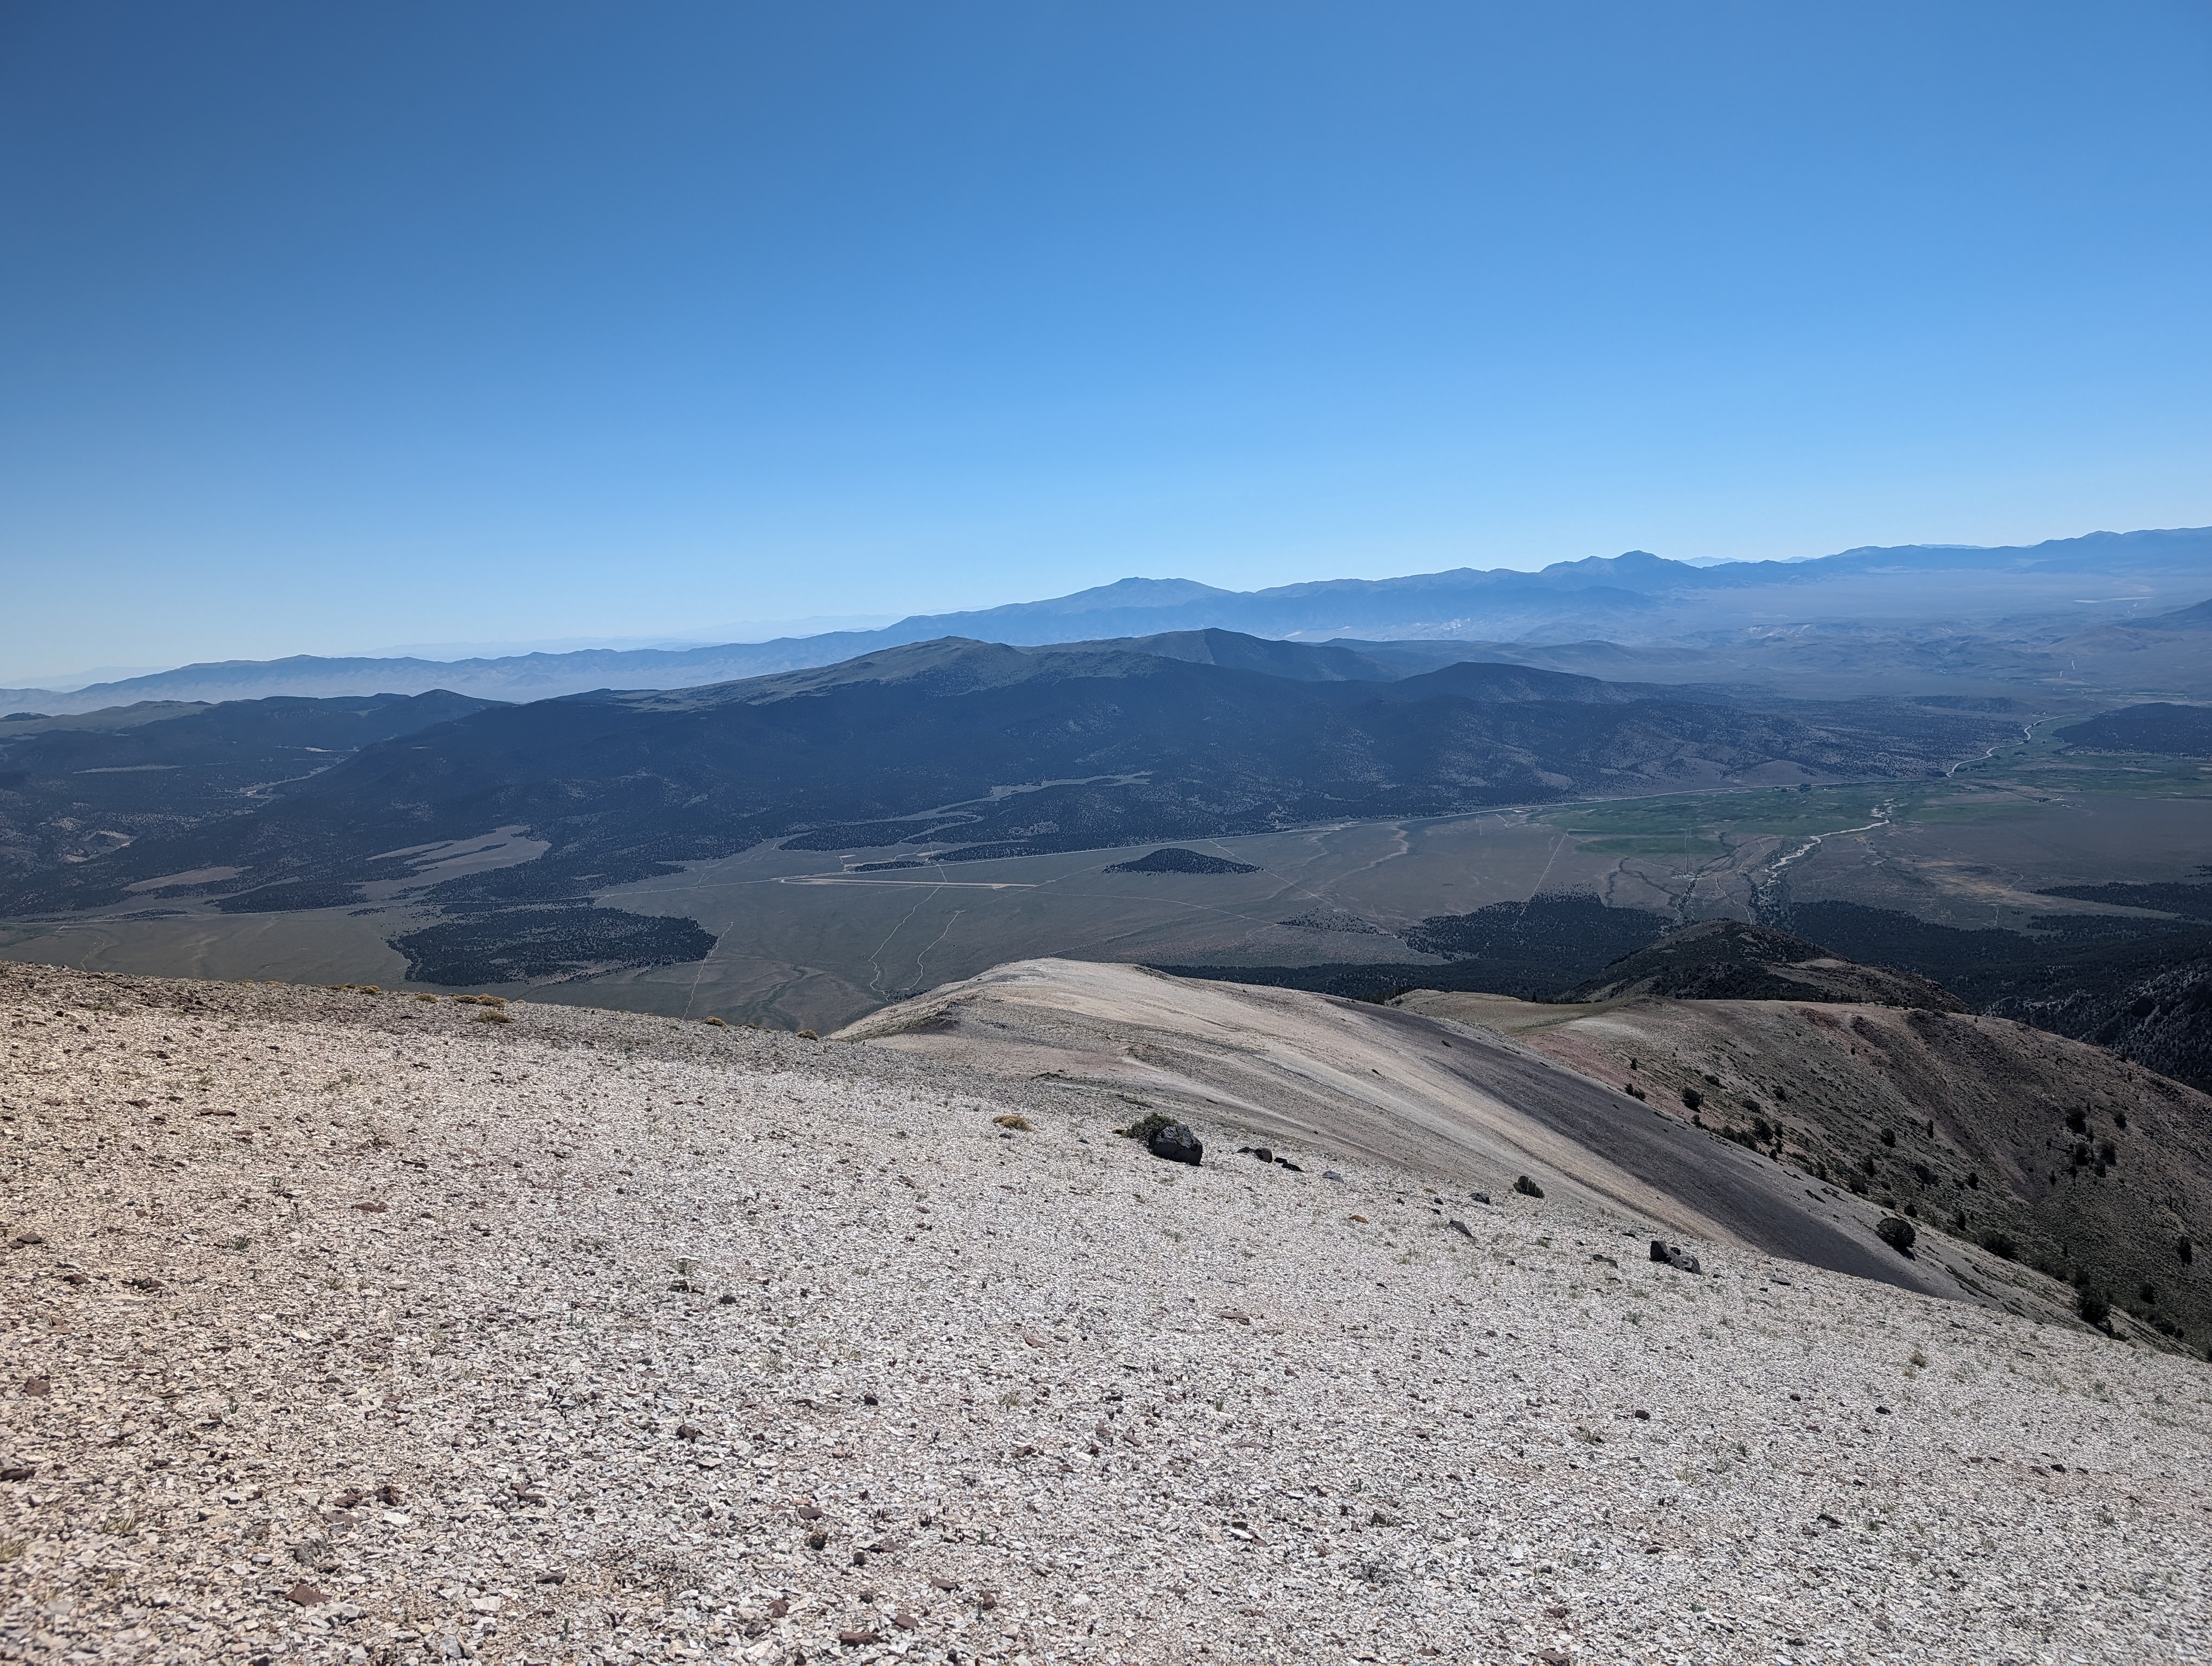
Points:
[(963, 750), (1949, 612)]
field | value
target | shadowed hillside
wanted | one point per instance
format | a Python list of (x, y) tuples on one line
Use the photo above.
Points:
[(1729, 960), (2045, 1152)]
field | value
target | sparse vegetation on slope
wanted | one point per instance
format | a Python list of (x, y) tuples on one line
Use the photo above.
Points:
[(2044, 1151)]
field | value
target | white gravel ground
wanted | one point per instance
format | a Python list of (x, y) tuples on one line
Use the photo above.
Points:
[(343, 1327)]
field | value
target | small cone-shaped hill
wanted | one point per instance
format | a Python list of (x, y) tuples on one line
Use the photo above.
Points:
[(1729, 960)]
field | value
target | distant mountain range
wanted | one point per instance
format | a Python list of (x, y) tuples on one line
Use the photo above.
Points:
[(1699, 623)]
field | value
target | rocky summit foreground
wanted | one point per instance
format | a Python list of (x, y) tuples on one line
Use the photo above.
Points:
[(343, 1326)]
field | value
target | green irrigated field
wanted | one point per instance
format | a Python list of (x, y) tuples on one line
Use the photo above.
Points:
[(1699, 822)]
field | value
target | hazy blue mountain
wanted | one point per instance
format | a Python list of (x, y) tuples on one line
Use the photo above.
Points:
[(1636, 598)]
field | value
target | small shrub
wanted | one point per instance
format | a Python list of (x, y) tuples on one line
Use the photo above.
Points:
[(494, 1017), (1973, 1181), (2185, 1250), (1019, 1124), (808, 1035), (2078, 1121), (2150, 1295), (1998, 1245), (1527, 1188), (431, 999), (1889, 1136), (1897, 1232), (1691, 1100), (316, 1554), (2120, 1121), (717, 1023), (2093, 1309), (1858, 1185)]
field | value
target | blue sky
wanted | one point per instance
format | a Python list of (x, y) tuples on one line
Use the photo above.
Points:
[(327, 327)]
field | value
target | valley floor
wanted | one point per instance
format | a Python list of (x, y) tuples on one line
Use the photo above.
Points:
[(352, 1327)]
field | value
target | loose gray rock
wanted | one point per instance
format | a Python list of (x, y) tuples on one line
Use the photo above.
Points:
[(1039, 1398)]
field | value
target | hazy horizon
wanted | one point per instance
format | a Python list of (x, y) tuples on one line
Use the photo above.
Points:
[(740, 632)]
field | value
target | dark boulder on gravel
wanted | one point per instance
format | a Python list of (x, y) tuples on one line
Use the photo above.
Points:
[(1668, 1255), (1177, 1144)]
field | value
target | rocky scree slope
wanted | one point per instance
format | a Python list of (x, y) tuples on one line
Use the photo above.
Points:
[(345, 1325), (1470, 1114), (2042, 1152)]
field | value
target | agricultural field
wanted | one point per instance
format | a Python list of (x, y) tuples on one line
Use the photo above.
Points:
[(808, 938)]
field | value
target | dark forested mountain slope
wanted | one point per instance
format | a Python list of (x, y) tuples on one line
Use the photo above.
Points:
[(1734, 960), (76, 790), (2159, 726), (978, 750)]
